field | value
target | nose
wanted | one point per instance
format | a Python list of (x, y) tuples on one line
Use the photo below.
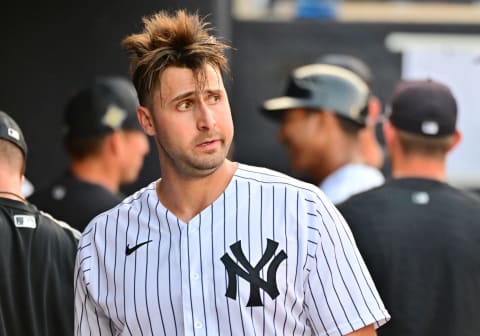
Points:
[(206, 117)]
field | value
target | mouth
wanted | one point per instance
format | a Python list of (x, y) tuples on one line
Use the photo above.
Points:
[(207, 143), (210, 144)]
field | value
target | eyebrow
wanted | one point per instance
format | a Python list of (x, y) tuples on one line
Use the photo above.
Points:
[(190, 93), (183, 96)]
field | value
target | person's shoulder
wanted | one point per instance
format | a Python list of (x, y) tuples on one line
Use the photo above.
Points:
[(56, 191), (367, 199), (53, 224), (267, 176), (465, 198), (130, 203)]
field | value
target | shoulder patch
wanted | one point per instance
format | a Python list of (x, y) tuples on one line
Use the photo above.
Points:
[(25, 221)]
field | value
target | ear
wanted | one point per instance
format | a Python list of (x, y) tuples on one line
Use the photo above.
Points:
[(145, 119), (388, 132), (457, 136), (374, 109), (114, 141)]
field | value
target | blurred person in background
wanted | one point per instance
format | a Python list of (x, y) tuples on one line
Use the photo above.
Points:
[(106, 146), (322, 113), (37, 252), (420, 236), (370, 147)]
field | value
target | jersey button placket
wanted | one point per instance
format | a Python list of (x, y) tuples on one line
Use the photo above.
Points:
[(195, 283)]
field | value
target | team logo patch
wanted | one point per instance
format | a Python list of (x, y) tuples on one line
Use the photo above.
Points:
[(252, 274), (25, 221), (114, 117), (13, 134)]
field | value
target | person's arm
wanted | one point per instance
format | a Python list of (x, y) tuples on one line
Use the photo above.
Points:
[(89, 318), (340, 294), (365, 331)]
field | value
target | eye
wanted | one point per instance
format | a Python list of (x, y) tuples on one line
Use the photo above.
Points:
[(184, 105), (213, 98)]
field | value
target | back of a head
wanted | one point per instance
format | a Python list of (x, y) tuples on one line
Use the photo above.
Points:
[(13, 147), (425, 112), (104, 106), (180, 40), (323, 87), (423, 107)]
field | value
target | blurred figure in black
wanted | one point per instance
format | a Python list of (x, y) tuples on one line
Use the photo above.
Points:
[(37, 253), (418, 235), (107, 148)]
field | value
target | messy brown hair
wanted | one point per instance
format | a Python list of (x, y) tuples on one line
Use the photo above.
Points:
[(181, 40)]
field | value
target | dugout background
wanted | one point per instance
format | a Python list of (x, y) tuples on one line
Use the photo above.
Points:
[(50, 49)]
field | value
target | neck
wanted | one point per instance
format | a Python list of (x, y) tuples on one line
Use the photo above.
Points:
[(12, 195), (97, 172), (347, 152), (187, 197), (419, 167), (11, 186)]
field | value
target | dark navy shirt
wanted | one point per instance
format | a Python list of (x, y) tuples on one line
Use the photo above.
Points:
[(420, 240), (74, 201)]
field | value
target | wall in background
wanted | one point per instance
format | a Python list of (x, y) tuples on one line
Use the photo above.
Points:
[(49, 51)]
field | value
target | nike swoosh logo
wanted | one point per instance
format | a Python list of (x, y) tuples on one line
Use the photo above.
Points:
[(129, 250)]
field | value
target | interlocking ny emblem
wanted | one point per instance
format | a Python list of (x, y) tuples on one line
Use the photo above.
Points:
[(251, 274)]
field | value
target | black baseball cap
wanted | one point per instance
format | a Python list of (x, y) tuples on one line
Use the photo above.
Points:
[(10, 131), (424, 107), (323, 87), (107, 104)]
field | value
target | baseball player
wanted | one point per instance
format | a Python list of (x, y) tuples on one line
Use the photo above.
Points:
[(422, 247), (323, 111), (214, 247), (37, 252), (370, 148), (106, 147)]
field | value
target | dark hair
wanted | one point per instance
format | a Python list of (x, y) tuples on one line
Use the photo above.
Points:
[(181, 40), (349, 126)]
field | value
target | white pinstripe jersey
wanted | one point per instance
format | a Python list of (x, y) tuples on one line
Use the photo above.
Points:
[(174, 280)]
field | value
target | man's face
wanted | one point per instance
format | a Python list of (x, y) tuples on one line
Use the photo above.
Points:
[(299, 133), (191, 123), (134, 148)]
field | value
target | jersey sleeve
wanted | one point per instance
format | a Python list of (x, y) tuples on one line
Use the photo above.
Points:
[(340, 295), (89, 317)]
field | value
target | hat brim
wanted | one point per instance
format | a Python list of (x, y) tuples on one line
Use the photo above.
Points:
[(275, 107)]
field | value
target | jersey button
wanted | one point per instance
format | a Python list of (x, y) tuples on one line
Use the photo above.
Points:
[(195, 276), (198, 325)]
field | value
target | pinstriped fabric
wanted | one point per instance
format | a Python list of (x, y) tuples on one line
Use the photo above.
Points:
[(142, 271)]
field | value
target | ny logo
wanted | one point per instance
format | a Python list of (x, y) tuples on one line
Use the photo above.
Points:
[(252, 274)]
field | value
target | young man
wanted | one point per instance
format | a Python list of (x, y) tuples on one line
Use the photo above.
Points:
[(106, 146), (420, 236), (370, 148), (322, 113), (214, 247), (37, 252)]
